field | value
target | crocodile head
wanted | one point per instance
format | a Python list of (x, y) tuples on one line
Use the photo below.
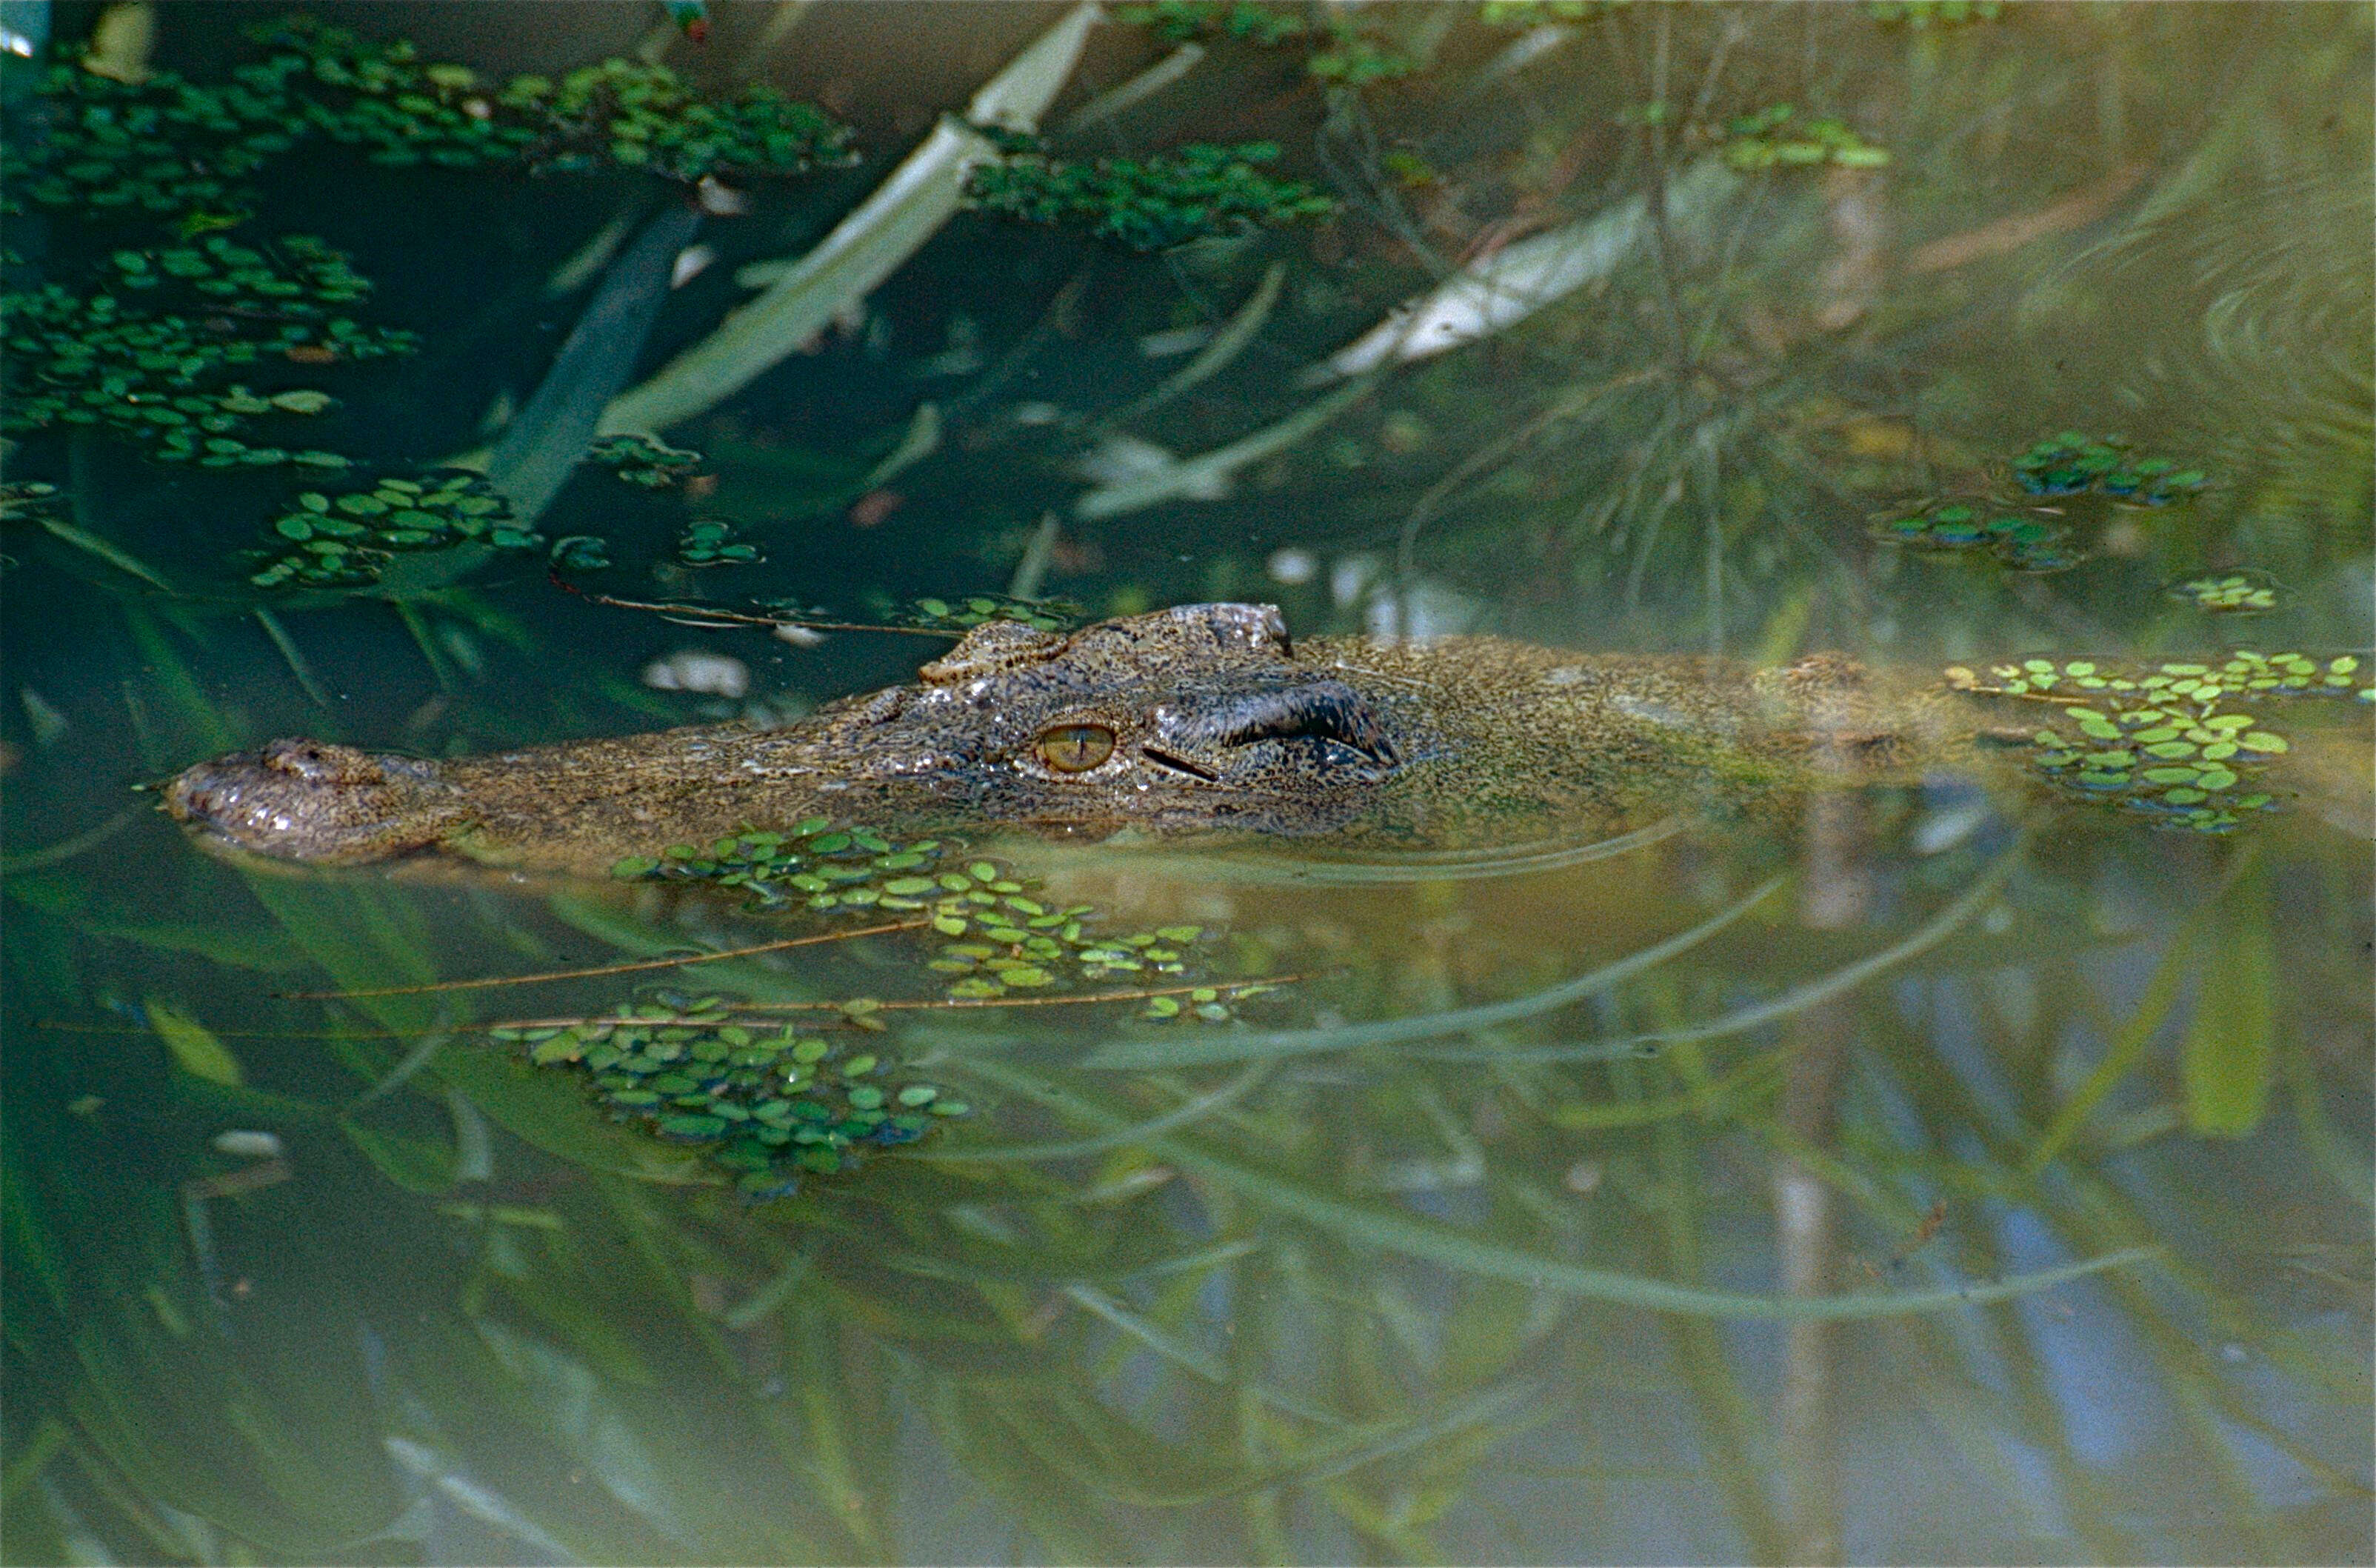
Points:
[(309, 800), (1189, 718), (1199, 717)]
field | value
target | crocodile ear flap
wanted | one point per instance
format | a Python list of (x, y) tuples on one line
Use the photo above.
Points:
[(991, 646), (1325, 710)]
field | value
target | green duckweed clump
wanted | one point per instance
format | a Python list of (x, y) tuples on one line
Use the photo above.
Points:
[(111, 148), (1770, 139), (346, 539), (2163, 739), (1184, 21), (2016, 537), (1918, 14), (1147, 204), (1340, 51), (2229, 593), (168, 145), (2037, 513), (2072, 463), (711, 542), (764, 1102), (152, 346), (23, 499), (640, 460), (965, 614), (993, 936), (150, 350), (1543, 12), (645, 117)]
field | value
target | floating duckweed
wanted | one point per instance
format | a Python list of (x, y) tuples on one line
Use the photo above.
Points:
[(1760, 140), (441, 508), (2198, 762), (1042, 614), (579, 552), (1542, 13), (1154, 203), (169, 144), (1179, 21), (152, 361), (1918, 14), (710, 541), (2021, 541), (2072, 462), (1013, 942), (2234, 593), (1340, 53), (766, 1104), (641, 460)]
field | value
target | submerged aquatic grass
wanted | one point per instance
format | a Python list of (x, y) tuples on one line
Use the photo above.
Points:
[(1342, 1303)]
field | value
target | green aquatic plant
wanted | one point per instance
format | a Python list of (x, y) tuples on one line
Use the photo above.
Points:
[(1184, 21), (711, 542), (2072, 462), (996, 937), (1768, 139), (2008, 522), (643, 460), (2163, 739), (964, 614), (580, 552), (167, 145), (2019, 539), (1197, 192), (645, 116), (1918, 14), (347, 538), (1339, 51), (148, 350), (163, 146), (295, 277), (2229, 593), (766, 1103), (1542, 13), (149, 347), (1355, 58), (29, 499)]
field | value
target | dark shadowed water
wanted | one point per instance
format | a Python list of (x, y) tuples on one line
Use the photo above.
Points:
[(1974, 1169)]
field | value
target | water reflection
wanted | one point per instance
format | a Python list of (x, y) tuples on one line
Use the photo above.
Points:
[(1945, 1172)]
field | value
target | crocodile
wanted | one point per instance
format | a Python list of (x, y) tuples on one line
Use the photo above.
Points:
[(1202, 718)]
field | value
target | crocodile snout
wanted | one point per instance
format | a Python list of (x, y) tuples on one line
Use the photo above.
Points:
[(310, 801)]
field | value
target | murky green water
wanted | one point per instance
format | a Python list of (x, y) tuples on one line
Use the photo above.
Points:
[(1966, 1172)]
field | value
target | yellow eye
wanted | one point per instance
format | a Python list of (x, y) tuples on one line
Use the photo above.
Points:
[(1076, 748)]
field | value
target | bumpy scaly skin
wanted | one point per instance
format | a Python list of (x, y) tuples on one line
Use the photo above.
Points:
[(1218, 724)]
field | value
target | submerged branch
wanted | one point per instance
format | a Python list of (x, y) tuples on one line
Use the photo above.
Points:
[(866, 1007), (709, 616), (641, 964)]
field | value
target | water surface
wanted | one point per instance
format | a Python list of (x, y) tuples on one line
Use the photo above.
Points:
[(1681, 1201)]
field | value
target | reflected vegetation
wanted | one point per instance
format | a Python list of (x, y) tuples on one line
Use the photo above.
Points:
[(1964, 1168)]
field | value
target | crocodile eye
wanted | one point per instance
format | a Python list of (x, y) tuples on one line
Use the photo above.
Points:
[(1074, 748)]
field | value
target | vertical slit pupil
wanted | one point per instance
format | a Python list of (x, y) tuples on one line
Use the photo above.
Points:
[(1076, 748)]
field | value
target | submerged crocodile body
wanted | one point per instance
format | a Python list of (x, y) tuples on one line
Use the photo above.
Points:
[(1204, 718)]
